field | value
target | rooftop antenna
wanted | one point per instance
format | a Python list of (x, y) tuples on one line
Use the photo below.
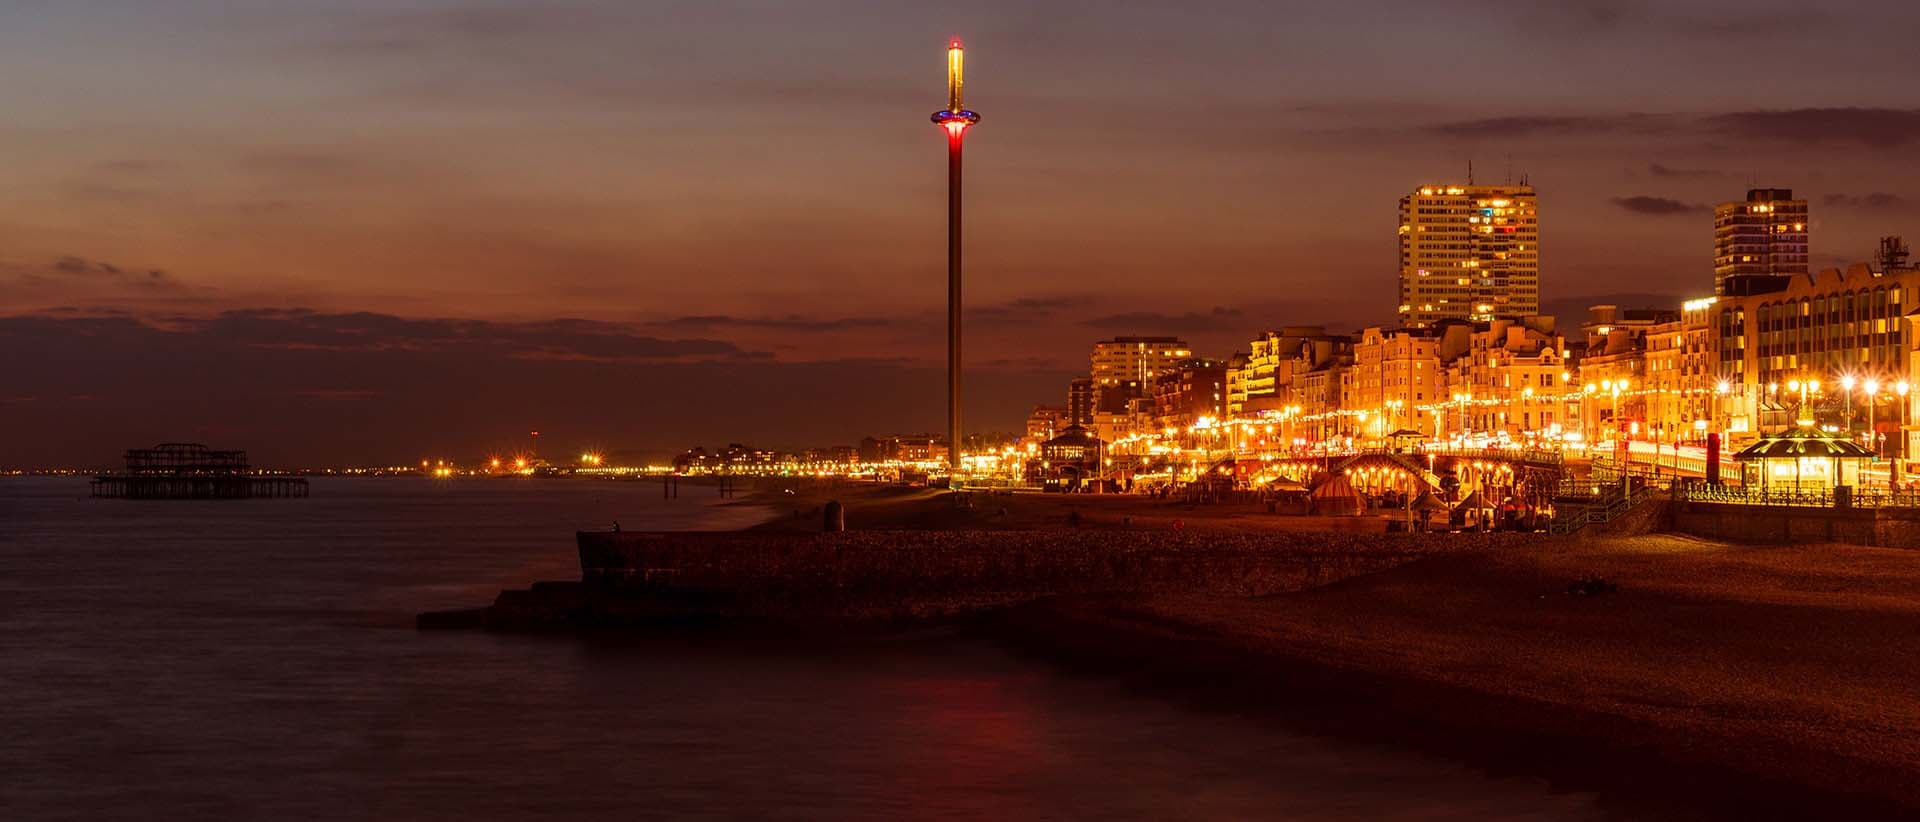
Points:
[(1469, 171), (1893, 254), (1509, 168)]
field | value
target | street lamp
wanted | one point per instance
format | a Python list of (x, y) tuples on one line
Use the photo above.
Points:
[(1873, 434), (1615, 387), (1720, 390), (1806, 387), (1902, 388), (1846, 389)]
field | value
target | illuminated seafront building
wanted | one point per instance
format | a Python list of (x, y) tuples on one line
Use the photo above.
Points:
[(1681, 379), (1834, 325), (1468, 252), (1398, 373), (1046, 422), (1515, 377), (1264, 380), (1613, 370), (1764, 235), (1191, 391)]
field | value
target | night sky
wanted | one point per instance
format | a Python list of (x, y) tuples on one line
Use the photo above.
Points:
[(355, 231)]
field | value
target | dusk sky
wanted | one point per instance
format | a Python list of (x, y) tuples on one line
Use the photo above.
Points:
[(354, 231)]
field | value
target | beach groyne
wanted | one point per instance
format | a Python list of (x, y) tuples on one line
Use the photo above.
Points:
[(897, 576)]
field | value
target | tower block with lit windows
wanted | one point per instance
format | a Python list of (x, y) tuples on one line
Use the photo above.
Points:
[(955, 119), (1469, 252)]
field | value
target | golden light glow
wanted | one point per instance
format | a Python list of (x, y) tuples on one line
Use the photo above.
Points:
[(956, 56)]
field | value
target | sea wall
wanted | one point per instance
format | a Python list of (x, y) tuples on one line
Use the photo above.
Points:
[(925, 574), (1792, 525)]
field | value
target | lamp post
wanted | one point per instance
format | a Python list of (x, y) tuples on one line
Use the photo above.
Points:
[(1846, 389), (1586, 416), (1720, 390), (1873, 434), (1902, 388), (1811, 386), (1614, 387)]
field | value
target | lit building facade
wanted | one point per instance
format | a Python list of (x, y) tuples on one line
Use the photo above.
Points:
[(1513, 378), (1320, 394), (1613, 370), (1829, 327), (1681, 377), (1265, 381), (1469, 253), (1764, 235), (1399, 372), (1046, 422), (1080, 402), (1124, 368), (1193, 389)]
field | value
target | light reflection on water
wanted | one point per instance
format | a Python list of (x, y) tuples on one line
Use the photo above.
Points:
[(257, 660)]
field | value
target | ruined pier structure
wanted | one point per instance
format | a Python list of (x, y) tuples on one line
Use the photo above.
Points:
[(189, 470)]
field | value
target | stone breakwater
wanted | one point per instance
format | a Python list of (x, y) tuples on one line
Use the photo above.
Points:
[(654, 578)]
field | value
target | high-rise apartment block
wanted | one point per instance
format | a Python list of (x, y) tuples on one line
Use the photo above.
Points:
[(1763, 235), (1469, 253), (1124, 368), (1080, 402)]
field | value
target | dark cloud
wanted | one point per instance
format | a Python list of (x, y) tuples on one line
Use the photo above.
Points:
[(1875, 127), (303, 164), (1872, 127), (1522, 126), (791, 322), (97, 273), (456, 28), (1877, 201), (1030, 364), (1149, 322), (560, 339), (130, 166), (1669, 172), (337, 394), (81, 265), (1751, 24), (462, 391), (1657, 206), (1586, 19), (1026, 309)]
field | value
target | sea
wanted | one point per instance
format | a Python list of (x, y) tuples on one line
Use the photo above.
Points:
[(258, 660)]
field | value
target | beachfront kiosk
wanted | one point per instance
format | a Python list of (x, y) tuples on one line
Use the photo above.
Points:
[(1802, 459), (1068, 462)]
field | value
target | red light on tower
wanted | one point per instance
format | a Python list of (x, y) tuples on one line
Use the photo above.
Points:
[(955, 119)]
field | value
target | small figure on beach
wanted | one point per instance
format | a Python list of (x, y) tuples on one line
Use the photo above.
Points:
[(1073, 518)]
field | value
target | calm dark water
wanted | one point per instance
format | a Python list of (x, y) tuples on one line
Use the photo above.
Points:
[(256, 660)]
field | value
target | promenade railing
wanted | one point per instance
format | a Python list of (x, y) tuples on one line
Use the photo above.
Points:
[(1796, 497), (1540, 456)]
